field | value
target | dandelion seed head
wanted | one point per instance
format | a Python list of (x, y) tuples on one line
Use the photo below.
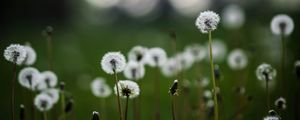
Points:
[(199, 52), (237, 59), (219, 50), (207, 21), (280, 103), (127, 88), (233, 17), (53, 93), (15, 53), (43, 102), (156, 57), (134, 70), (100, 88), (138, 54), (265, 72), (29, 77), (271, 118), (185, 60), (30, 56), (50, 78), (113, 62), (170, 68), (282, 24)]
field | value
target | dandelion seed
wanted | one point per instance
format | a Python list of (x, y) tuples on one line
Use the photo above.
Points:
[(53, 93), (113, 62), (265, 72), (134, 70), (170, 68), (233, 17), (95, 116), (138, 54), (199, 52), (207, 21), (100, 88), (127, 89), (156, 57), (185, 60), (29, 77), (30, 56), (174, 88), (43, 102), (282, 24), (15, 53), (237, 59), (280, 103)]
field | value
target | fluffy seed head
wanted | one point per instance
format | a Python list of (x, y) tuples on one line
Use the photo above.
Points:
[(282, 24), (134, 70), (29, 77), (127, 88), (30, 56), (280, 103), (156, 57), (113, 62), (198, 51), (15, 53), (237, 59), (185, 60), (265, 72), (233, 17), (207, 21), (43, 102), (53, 93), (137, 53), (219, 50), (170, 68), (48, 79), (271, 118), (100, 88)]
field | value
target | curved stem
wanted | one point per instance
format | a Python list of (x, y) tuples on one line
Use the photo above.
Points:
[(216, 111), (118, 96), (126, 107)]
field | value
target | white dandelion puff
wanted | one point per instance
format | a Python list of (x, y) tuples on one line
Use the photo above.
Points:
[(48, 79), (15, 53), (43, 102), (271, 118), (185, 60), (29, 77), (127, 89), (53, 93), (237, 59), (100, 88), (134, 70), (30, 56), (282, 24), (280, 103), (156, 57), (113, 62), (199, 52), (170, 68), (207, 21), (138, 54), (219, 50), (265, 72), (233, 17)]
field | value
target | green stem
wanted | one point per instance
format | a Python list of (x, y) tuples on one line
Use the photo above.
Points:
[(13, 91), (173, 108), (282, 61), (157, 95), (118, 96), (103, 101), (216, 109), (126, 107), (268, 95), (45, 115), (63, 104)]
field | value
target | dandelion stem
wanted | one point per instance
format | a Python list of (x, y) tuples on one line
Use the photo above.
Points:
[(103, 101), (216, 111), (268, 95), (118, 96), (45, 115), (126, 107), (63, 104), (49, 47), (32, 106), (136, 107), (282, 61), (13, 91), (173, 108), (157, 93)]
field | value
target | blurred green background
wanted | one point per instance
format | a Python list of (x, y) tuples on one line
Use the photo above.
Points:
[(84, 32)]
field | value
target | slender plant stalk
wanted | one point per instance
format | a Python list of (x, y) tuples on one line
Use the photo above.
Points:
[(63, 104), (49, 47), (13, 91), (126, 107), (173, 108), (282, 61), (103, 101), (216, 109), (45, 115), (32, 106), (268, 95), (157, 95), (118, 96)]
